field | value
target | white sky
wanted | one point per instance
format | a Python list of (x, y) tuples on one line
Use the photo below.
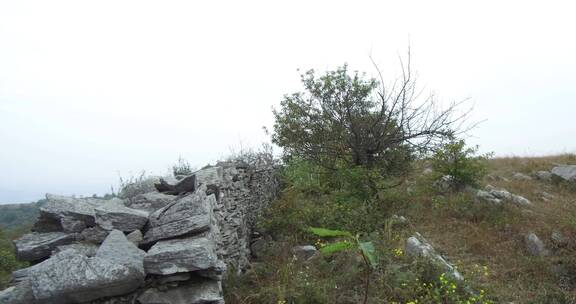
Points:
[(93, 89)]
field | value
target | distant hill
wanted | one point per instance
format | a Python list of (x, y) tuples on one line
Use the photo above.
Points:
[(18, 216)]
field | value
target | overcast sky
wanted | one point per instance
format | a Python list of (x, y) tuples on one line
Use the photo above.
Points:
[(90, 90)]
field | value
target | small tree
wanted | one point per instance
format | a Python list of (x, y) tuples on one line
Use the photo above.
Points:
[(349, 118), (461, 163)]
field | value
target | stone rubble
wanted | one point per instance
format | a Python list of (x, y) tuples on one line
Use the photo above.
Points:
[(165, 241)]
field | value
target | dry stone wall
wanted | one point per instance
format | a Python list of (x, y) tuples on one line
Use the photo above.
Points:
[(171, 245)]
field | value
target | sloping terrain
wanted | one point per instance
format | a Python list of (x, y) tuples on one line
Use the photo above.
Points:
[(513, 242)]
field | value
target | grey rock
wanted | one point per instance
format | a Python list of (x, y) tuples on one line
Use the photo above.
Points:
[(559, 239), (486, 196), (543, 176), (565, 172), (113, 214), (303, 253), (259, 247), (86, 249), (21, 293), (445, 183), (69, 277), (118, 249), (150, 201), (520, 200), (70, 224), (36, 246), (210, 176), (135, 237), (399, 219), (181, 255), (535, 246), (194, 292), (70, 208), (179, 277), (189, 214), (176, 187), (521, 176), (215, 273), (94, 235), (418, 246)]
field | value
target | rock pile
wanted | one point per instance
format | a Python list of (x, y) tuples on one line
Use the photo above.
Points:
[(169, 245)]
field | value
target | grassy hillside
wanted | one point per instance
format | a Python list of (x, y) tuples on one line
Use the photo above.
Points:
[(485, 241), (19, 216)]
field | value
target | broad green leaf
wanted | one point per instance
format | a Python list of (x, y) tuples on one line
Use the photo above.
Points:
[(322, 232), (336, 247), (369, 252)]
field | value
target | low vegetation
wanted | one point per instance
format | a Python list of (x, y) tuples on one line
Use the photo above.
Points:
[(356, 169)]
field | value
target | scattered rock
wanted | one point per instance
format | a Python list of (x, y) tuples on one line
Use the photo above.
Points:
[(199, 292), (521, 176), (497, 196), (543, 176), (535, 246), (180, 255), (399, 219), (558, 239), (187, 215), (36, 246), (547, 196), (565, 172), (417, 246), (445, 183), (113, 214), (303, 253)]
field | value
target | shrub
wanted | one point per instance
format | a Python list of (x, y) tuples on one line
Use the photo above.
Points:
[(464, 167), (348, 118)]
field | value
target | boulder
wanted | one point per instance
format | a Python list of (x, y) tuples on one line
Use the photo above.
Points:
[(69, 277), (36, 246), (180, 255), (187, 215), (565, 172), (70, 209), (535, 246), (113, 214), (193, 292), (150, 201)]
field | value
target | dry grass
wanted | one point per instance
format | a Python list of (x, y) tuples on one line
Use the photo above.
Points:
[(497, 239)]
